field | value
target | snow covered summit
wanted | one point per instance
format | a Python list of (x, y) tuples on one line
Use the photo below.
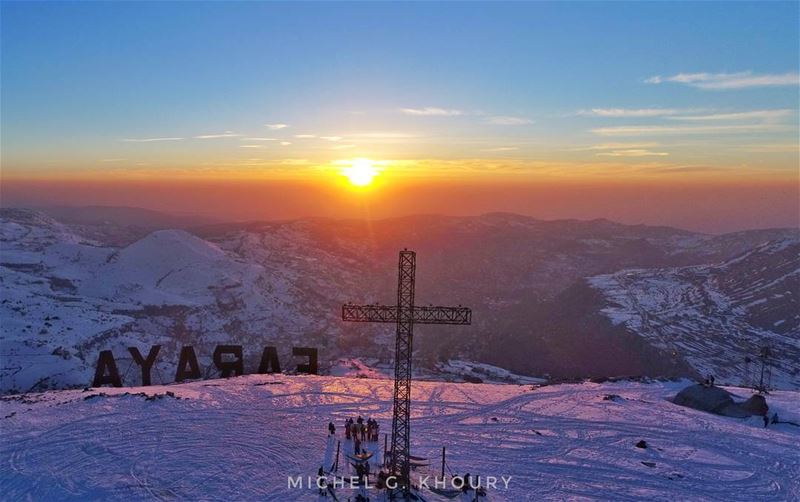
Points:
[(242, 438)]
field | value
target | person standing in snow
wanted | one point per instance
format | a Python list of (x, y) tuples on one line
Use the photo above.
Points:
[(380, 484), (321, 482), (357, 444), (331, 428), (347, 424)]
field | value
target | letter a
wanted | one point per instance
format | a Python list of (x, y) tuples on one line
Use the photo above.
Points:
[(106, 364), (269, 361), (187, 357)]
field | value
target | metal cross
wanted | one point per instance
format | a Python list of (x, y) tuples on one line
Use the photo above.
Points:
[(405, 314)]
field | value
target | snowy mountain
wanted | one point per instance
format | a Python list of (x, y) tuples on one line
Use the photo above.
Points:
[(71, 290), (718, 316), (242, 438), (66, 298)]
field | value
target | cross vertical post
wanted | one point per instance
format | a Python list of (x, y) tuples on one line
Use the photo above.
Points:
[(401, 418), (405, 315)]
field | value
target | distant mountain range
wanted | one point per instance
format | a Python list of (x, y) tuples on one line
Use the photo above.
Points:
[(562, 298), (717, 316)]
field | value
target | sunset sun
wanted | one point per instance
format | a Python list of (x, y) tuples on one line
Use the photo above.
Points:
[(360, 172)]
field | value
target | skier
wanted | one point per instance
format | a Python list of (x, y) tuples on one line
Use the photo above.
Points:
[(331, 428), (381, 483), (322, 483)]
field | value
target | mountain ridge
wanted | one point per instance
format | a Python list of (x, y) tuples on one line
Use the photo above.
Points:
[(283, 283)]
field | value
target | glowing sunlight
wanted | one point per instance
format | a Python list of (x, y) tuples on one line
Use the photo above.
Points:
[(360, 172)]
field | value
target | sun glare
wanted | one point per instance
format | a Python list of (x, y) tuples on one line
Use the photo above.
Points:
[(360, 172)]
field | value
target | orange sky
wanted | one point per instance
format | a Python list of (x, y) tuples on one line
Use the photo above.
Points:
[(549, 110), (702, 206)]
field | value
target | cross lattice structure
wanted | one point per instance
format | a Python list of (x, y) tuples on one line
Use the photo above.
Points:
[(405, 315)]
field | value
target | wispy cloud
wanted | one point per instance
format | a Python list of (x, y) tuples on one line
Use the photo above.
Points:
[(501, 149), (148, 140), (385, 135), (617, 146), (637, 152), (331, 138), (250, 146), (772, 148), (628, 112), (722, 81), (766, 115), (305, 136), (226, 134), (285, 143), (275, 127), (677, 169), (342, 147), (652, 130), (431, 111), (259, 139), (509, 121)]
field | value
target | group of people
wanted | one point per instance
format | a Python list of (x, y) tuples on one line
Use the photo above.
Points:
[(360, 429)]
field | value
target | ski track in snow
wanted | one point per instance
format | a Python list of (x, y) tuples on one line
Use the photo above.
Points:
[(239, 439)]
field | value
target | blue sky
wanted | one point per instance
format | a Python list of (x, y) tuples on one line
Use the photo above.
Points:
[(671, 85)]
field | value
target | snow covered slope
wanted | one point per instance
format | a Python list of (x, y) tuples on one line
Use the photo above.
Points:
[(65, 297), (239, 439), (717, 316)]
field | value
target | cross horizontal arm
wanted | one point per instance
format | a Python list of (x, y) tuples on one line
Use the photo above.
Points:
[(421, 315), (369, 313), (442, 315)]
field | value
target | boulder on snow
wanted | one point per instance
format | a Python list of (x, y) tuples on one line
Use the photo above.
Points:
[(700, 397), (719, 401), (756, 405)]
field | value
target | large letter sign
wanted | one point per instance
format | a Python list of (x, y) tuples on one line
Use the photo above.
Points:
[(269, 361), (229, 368), (184, 373), (228, 359), (146, 364), (106, 371), (309, 352)]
